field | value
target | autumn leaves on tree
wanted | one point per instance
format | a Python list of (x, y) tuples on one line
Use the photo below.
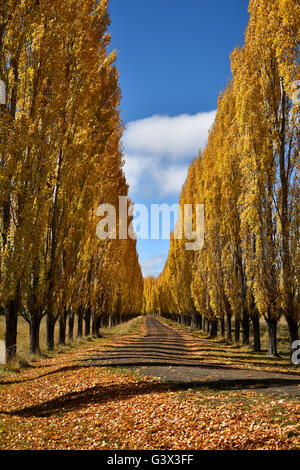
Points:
[(60, 155), (248, 180), (60, 158)]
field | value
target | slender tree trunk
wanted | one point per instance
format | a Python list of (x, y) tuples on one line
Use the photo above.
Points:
[(62, 329), (294, 332), (272, 332), (197, 321), (293, 329), (105, 321), (98, 326), (11, 317), (213, 329), (256, 332), (87, 322), (34, 328), (228, 327), (79, 323), (222, 327), (71, 326), (246, 328), (50, 325), (237, 327), (94, 324)]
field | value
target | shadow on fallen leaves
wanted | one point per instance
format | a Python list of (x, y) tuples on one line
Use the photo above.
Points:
[(117, 392)]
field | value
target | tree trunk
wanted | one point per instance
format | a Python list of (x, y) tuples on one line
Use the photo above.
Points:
[(246, 328), (79, 323), (11, 317), (213, 329), (272, 332), (228, 327), (34, 328), (96, 322), (71, 326), (237, 327), (222, 325), (87, 323), (256, 332), (50, 325), (105, 321), (62, 329), (98, 326), (294, 333)]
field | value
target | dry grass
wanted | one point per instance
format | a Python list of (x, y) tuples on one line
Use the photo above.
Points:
[(23, 335), (116, 334)]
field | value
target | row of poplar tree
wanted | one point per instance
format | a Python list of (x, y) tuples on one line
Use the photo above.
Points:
[(248, 180), (60, 157)]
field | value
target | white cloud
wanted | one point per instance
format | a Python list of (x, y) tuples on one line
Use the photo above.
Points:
[(171, 179), (176, 136), (134, 168), (159, 149), (153, 265)]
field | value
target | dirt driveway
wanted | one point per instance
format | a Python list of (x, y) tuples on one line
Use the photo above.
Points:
[(162, 352)]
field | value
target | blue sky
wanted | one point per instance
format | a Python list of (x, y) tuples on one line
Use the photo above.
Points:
[(173, 60)]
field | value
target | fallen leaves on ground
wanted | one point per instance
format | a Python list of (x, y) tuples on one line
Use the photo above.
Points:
[(65, 403)]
